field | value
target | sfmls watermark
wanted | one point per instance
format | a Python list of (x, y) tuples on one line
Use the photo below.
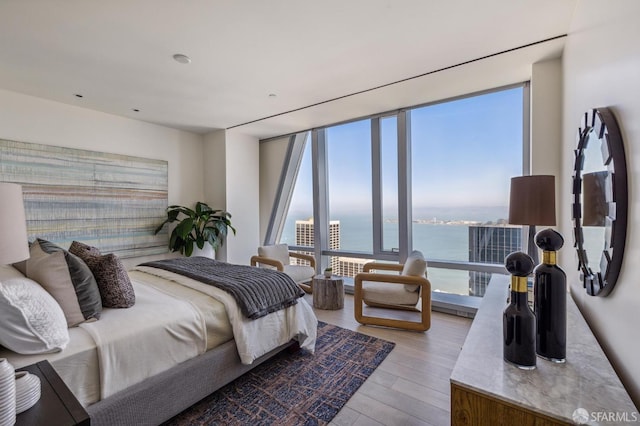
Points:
[(582, 416)]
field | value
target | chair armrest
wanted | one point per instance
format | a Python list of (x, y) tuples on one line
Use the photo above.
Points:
[(255, 260), (308, 258), (383, 266)]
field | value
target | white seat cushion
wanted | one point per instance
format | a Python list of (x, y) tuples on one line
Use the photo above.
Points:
[(388, 294), (415, 266), (299, 273), (279, 252)]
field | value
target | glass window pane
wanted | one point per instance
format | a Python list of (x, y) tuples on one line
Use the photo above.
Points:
[(349, 192), (464, 153), (389, 177)]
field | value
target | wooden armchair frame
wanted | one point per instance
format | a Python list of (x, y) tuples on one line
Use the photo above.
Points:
[(425, 295), (255, 260)]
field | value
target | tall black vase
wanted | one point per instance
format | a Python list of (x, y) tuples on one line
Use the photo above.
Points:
[(550, 299), (518, 321)]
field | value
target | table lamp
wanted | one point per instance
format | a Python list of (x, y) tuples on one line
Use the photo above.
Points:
[(14, 243), (532, 202)]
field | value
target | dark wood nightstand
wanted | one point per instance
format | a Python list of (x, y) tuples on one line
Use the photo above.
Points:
[(57, 406)]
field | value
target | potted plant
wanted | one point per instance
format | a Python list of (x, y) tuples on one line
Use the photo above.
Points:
[(328, 272), (197, 227)]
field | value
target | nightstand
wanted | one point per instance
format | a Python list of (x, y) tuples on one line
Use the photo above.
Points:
[(57, 406)]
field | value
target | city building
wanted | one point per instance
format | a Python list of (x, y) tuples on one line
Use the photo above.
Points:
[(350, 266), (490, 244), (304, 238)]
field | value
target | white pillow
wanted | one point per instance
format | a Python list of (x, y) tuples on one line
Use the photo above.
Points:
[(277, 251), (31, 321), (415, 266)]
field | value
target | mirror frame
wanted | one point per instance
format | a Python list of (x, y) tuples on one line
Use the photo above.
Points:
[(601, 123)]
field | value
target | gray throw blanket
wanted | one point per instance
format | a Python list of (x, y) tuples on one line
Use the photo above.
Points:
[(258, 291)]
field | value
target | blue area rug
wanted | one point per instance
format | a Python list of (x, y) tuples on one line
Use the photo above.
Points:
[(294, 388)]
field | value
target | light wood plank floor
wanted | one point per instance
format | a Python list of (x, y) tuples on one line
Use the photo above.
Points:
[(411, 386)]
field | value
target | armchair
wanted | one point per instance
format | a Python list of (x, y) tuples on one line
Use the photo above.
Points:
[(277, 256), (410, 290)]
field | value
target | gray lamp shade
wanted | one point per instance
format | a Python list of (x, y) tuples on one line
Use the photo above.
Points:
[(14, 245), (533, 200)]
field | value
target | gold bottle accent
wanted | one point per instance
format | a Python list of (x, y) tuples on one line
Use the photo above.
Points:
[(519, 284), (549, 257)]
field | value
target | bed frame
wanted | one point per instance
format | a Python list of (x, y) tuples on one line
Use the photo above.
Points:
[(160, 397)]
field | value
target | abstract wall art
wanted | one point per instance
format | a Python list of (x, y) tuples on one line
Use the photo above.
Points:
[(110, 201)]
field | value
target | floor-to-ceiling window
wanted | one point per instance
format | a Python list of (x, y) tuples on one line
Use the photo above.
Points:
[(464, 153), (448, 190)]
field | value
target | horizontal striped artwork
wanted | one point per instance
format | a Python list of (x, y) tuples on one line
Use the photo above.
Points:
[(113, 202)]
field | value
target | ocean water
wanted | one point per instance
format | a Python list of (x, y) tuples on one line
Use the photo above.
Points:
[(441, 234)]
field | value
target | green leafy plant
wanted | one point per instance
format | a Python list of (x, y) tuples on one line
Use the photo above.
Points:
[(198, 227)]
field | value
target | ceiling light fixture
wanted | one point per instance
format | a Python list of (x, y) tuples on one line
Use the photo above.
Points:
[(272, 95), (135, 109), (78, 95), (183, 59)]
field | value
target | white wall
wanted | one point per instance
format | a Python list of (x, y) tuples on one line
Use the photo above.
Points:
[(601, 67), (232, 183), (30, 119), (546, 122)]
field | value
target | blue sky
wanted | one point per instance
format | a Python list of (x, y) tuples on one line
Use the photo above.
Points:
[(464, 154)]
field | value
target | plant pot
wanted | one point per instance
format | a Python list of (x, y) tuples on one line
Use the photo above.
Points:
[(327, 274), (205, 251)]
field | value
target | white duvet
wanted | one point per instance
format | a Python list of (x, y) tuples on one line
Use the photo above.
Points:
[(174, 319), (255, 338), (174, 325)]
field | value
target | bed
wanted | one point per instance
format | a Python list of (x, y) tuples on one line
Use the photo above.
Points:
[(183, 340)]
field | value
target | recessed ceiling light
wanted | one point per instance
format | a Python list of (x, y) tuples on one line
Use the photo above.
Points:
[(78, 95), (272, 95), (135, 109), (183, 59)]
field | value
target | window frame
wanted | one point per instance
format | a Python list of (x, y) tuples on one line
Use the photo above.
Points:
[(405, 231)]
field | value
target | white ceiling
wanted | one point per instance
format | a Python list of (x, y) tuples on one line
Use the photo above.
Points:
[(118, 55)]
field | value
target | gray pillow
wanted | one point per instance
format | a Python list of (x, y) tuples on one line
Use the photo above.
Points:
[(113, 280), (68, 279)]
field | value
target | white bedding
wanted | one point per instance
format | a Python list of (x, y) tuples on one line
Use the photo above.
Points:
[(94, 372), (255, 338)]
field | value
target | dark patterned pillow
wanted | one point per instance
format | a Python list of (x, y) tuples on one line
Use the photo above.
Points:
[(113, 281)]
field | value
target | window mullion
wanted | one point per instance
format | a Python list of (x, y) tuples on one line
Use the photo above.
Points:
[(376, 185), (320, 198), (404, 185)]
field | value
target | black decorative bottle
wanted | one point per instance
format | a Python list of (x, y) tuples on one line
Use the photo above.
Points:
[(518, 321), (550, 299)]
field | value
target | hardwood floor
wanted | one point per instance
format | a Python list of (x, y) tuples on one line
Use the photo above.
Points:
[(411, 386)]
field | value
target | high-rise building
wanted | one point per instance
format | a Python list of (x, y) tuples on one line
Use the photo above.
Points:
[(350, 267), (304, 237), (490, 244)]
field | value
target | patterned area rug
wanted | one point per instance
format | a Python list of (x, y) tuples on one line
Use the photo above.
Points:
[(294, 389)]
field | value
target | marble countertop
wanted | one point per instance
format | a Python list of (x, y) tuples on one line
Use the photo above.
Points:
[(586, 380)]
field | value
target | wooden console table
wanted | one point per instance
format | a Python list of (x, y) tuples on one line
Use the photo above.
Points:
[(485, 390)]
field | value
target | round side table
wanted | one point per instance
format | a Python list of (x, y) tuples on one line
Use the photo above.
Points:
[(328, 293)]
